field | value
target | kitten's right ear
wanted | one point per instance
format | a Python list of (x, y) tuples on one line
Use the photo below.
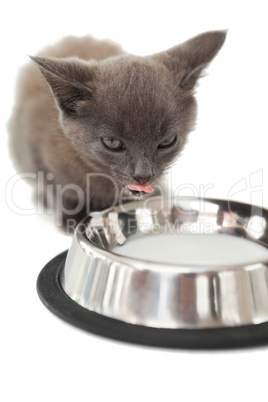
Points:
[(69, 79), (188, 60)]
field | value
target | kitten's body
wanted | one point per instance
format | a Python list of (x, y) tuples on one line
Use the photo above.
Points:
[(140, 102), (37, 141)]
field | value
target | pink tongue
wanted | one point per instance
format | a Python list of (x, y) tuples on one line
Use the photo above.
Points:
[(141, 187)]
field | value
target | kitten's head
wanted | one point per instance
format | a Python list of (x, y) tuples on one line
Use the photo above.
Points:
[(130, 115)]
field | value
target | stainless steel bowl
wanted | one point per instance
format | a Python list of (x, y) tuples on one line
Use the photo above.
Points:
[(181, 296)]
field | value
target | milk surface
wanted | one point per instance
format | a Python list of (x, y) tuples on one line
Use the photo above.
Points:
[(216, 249)]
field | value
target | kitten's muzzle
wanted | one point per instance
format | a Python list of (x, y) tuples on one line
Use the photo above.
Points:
[(143, 172), (143, 179), (133, 193)]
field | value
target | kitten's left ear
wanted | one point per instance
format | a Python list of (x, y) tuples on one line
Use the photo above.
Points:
[(69, 79), (189, 59)]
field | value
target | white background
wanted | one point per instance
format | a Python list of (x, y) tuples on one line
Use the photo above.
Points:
[(43, 358)]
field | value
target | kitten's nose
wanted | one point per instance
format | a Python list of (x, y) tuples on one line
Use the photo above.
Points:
[(143, 172), (143, 179)]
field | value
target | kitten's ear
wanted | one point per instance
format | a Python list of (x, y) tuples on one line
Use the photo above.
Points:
[(69, 79), (189, 59)]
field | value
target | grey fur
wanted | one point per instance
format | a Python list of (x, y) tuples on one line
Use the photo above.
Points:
[(86, 89)]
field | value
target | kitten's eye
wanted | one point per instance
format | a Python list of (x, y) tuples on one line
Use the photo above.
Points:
[(167, 142), (113, 143)]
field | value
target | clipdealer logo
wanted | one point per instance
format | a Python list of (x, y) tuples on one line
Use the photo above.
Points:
[(50, 196)]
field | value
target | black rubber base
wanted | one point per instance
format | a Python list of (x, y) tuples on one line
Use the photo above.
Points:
[(55, 299)]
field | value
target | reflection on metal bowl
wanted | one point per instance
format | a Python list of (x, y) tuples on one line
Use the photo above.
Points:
[(182, 272)]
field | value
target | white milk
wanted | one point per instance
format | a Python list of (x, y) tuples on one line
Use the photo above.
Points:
[(217, 249)]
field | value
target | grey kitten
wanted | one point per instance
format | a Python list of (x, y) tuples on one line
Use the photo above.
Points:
[(101, 125)]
